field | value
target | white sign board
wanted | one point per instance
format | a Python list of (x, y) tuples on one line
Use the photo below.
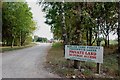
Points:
[(84, 53)]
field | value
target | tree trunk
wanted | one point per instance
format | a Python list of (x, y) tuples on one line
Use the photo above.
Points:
[(108, 43), (20, 40), (119, 38), (68, 38), (105, 42), (12, 43), (107, 36), (87, 37), (90, 37), (78, 32), (64, 34), (7, 43)]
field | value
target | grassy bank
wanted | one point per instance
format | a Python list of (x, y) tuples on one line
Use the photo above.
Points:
[(8, 48), (58, 64)]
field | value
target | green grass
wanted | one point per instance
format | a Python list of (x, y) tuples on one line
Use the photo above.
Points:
[(8, 48), (57, 45), (110, 64), (59, 65)]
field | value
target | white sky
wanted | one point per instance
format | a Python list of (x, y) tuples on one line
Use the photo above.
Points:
[(43, 30)]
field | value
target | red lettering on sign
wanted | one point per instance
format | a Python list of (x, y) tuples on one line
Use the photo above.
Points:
[(71, 51), (94, 57), (70, 54), (82, 53)]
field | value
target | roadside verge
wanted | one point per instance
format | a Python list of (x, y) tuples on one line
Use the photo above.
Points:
[(57, 64), (8, 48)]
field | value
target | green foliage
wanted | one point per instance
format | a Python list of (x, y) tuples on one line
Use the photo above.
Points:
[(81, 21), (44, 40), (28, 40), (18, 23), (40, 39), (57, 45), (88, 72)]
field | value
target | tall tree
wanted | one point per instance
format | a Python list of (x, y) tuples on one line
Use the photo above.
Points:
[(17, 23), (118, 37)]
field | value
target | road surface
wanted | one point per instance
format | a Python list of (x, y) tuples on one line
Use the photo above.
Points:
[(26, 63)]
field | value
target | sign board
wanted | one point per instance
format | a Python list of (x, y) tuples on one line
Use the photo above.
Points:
[(84, 53)]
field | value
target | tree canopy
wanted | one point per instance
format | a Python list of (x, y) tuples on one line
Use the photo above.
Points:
[(18, 23), (82, 22)]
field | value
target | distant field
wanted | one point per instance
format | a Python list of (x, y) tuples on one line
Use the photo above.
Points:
[(112, 42)]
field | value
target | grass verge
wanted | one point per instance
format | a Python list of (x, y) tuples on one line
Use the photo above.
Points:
[(8, 48), (59, 65)]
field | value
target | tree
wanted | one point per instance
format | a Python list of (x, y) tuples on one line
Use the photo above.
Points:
[(17, 23), (118, 31), (82, 21), (0, 21)]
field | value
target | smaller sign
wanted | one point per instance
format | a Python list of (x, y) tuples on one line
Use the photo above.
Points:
[(84, 53)]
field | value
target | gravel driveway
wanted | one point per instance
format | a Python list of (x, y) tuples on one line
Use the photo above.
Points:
[(26, 63)]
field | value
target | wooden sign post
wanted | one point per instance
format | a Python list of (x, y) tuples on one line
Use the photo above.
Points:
[(98, 68)]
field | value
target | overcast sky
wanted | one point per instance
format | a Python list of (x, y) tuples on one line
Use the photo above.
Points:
[(43, 30)]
